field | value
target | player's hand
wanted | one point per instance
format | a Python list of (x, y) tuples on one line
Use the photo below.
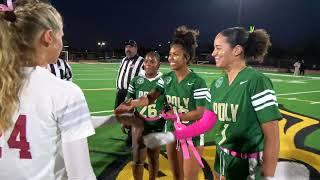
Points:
[(124, 108), (169, 115), (124, 113), (154, 140)]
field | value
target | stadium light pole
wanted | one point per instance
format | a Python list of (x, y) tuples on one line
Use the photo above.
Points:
[(101, 45)]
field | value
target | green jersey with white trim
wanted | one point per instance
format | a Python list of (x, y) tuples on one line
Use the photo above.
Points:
[(242, 108), (140, 86), (185, 95)]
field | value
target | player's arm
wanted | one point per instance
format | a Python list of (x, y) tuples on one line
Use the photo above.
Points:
[(77, 160), (98, 121), (75, 125), (265, 104), (201, 96), (205, 124), (142, 101), (193, 115), (271, 148), (145, 100)]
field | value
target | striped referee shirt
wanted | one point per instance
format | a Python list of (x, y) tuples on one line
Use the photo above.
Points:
[(129, 68), (61, 69)]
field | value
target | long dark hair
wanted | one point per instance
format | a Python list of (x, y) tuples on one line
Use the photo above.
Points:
[(255, 43)]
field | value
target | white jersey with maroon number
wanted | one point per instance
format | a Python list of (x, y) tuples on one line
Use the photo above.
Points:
[(51, 112)]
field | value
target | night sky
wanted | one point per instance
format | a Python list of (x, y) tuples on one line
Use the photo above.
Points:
[(149, 22)]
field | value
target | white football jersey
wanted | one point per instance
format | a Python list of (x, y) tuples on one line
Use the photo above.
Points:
[(51, 111)]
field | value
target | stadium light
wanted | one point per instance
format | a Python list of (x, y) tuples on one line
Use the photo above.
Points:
[(101, 44)]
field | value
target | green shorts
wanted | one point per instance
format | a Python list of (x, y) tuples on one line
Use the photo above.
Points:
[(153, 126), (234, 168), (197, 140)]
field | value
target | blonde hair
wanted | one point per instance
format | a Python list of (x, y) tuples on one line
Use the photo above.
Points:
[(18, 34)]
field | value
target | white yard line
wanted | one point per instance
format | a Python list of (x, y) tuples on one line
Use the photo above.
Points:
[(99, 112), (315, 103), (288, 75), (100, 89), (300, 100), (305, 92)]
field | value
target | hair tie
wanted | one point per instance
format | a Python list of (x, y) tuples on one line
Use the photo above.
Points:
[(8, 11), (251, 29), (8, 7)]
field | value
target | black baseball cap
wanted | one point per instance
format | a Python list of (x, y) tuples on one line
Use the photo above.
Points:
[(131, 43)]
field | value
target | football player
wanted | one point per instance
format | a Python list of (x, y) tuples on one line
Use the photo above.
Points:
[(44, 121), (186, 92), (140, 86)]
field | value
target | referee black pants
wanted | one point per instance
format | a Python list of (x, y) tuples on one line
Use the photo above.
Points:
[(120, 97)]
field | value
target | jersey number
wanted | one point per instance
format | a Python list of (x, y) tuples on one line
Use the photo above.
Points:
[(152, 112), (22, 144)]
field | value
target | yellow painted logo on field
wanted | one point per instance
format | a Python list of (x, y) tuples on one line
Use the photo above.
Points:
[(293, 130)]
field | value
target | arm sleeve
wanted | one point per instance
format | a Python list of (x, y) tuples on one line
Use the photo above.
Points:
[(207, 121), (263, 99), (201, 93), (131, 90), (77, 160), (72, 115), (160, 86)]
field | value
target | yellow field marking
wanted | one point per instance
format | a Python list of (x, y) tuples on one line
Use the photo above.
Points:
[(164, 166), (288, 150)]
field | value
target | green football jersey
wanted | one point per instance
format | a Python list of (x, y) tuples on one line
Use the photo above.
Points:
[(140, 86), (185, 95), (241, 109)]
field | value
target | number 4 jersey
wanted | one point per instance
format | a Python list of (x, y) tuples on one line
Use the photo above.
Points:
[(51, 112), (241, 109)]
